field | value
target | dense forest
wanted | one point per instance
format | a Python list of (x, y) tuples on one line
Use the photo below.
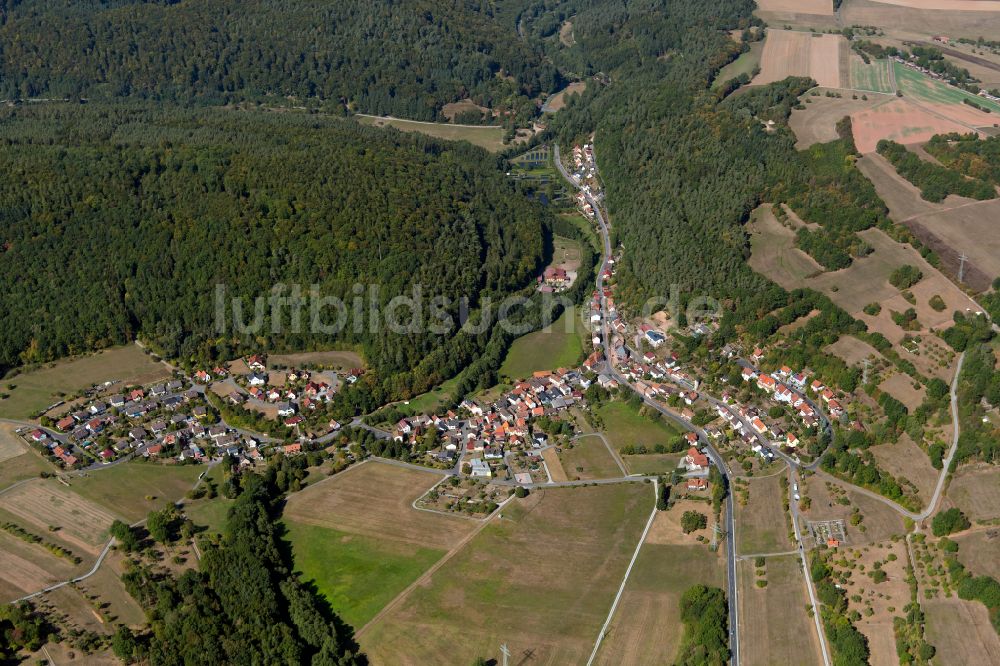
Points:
[(405, 58), (122, 221)]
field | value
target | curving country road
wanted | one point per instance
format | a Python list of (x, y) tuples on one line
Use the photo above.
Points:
[(716, 459)]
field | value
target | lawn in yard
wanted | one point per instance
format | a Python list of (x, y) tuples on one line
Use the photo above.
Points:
[(555, 346), (357, 574)]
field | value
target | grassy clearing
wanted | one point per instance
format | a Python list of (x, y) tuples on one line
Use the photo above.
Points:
[(589, 459), (775, 627), (773, 252), (358, 575), (541, 579), (435, 399), (133, 489), (583, 224), (37, 389), (623, 425), (646, 628), (488, 137), (548, 349), (925, 89), (745, 64)]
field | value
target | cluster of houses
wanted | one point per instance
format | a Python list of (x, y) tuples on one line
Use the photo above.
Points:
[(300, 394), (148, 421), (584, 172), (787, 387), (480, 435)]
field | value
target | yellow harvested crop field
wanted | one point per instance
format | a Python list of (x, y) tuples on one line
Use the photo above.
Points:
[(791, 53)]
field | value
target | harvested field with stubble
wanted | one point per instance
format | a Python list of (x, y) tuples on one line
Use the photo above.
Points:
[(375, 499), (540, 579), (820, 7), (792, 53), (955, 18), (27, 568), (900, 121), (972, 229), (773, 252), (771, 616), (41, 503), (817, 121), (954, 226)]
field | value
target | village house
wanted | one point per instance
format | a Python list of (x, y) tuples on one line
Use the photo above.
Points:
[(695, 461)]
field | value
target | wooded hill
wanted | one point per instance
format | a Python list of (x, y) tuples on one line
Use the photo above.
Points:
[(122, 221), (404, 58)]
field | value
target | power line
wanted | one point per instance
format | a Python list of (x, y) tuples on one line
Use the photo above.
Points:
[(961, 266)]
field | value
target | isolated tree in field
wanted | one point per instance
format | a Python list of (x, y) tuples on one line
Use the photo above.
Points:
[(692, 521)]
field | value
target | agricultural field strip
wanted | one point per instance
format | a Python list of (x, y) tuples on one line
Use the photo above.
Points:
[(628, 571)]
